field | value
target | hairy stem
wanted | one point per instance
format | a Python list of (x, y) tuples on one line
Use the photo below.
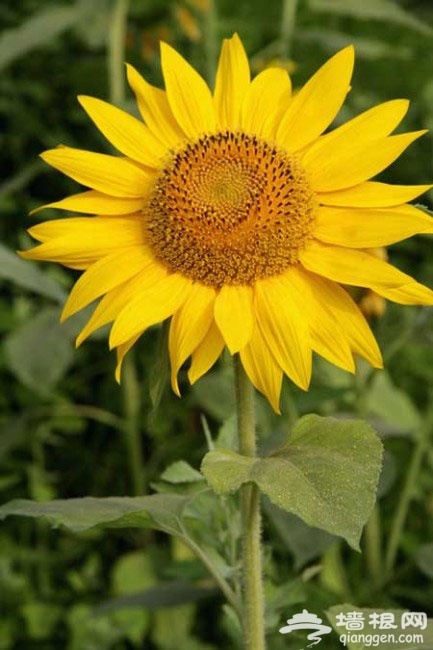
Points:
[(253, 599)]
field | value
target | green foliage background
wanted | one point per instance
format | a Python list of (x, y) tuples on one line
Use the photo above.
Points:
[(67, 429)]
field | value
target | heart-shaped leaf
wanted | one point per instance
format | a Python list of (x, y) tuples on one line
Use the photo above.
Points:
[(315, 475)]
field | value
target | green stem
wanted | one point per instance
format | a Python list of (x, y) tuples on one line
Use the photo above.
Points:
[(333, 575), (373, 548), (42, 532), (288, 19), (372, 540), (116, 51), (210, 41), (402, 509), (213, 570), (131, 398), (253, 601), (80, 411)]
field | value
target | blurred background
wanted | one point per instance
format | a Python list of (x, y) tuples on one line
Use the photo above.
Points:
[(67, 429)]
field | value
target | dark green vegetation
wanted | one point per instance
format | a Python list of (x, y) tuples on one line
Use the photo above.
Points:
[(67, 430)]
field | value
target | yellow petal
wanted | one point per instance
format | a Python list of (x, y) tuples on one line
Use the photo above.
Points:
[(115, 300), (108, 174), (232, 83), (122, 351), (105, 275), (234, 315), (378, 122), (413, 293), (86, 239), (155, 109), (327, 335), (337, 301), (92, 202), (352, 267), (358, 163), (284, 327), (149, 306), (262, 369), (270, 88), (315, 106), (373, 195), (188, 327), (125, 132), (206, 354), (188, 94), (92, 231), (368, 228)]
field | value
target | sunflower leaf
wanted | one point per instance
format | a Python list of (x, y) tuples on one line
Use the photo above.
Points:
[(381, 10), (40, 367), (38, 30), (28, 276), (159, 511), (314, 475)]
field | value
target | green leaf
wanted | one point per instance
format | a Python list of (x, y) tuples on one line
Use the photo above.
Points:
[(90, 633), (7, 633), (385, 10), (40, 351), (181, 472), (36, 31), (228, 434), (226, 471), (172, 629), (305, 543), (365, 47), (160, 511), (424, 559), (28, 276), (315, 475), (165, 594), (369, 632), (41, 619), (214, 393), (392, 406), (132, 571)]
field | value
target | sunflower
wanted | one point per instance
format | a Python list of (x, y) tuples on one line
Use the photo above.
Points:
[(236, 216)]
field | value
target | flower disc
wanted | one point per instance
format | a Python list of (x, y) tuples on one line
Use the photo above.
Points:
[(230, 209)]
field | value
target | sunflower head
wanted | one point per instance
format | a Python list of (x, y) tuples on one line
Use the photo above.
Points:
[(231, 213)]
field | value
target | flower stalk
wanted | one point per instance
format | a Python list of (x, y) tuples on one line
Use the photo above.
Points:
[(253, 618), (288, 20), (403, 504), (116, 51), (131, 397)]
